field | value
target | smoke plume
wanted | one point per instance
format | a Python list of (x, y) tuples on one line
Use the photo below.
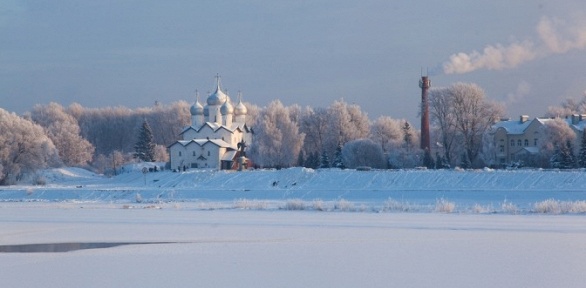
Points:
[(555, 37)]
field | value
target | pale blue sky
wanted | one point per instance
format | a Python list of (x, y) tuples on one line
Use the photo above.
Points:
[(132, 53)]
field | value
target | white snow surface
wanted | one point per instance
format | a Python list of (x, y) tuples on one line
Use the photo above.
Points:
[(299, 228)]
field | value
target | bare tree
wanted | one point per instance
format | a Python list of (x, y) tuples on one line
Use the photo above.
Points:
[(442, 116), (463, 114)]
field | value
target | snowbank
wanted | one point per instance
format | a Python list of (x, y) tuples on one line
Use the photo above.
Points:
[(415, 190)]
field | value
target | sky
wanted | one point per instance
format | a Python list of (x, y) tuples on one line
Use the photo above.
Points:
[(525, 54)]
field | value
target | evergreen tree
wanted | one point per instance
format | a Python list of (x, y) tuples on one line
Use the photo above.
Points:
[(407, 135), (465, 162), (145, 146), (428, 160), (582, 155), (338, 159), (555, 160), (568, 159), (324, 160), (312, 160), (301, 159)]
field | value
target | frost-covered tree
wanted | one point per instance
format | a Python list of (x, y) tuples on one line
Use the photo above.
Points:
[(442, 117), (474, 116), (463, 115), (24, 148), (567, 108), (407, 136), (314, 124), (346, 122), (144, 149), (556, 134), (386, 132), (277, 140), (363, 152), (64, 131)]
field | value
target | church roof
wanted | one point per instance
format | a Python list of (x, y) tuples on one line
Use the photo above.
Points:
[(201, 142), (215, 127)]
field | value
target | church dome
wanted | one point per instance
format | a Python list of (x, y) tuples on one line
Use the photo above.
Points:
[(196, 109), (218, 97), (240, 109), (227, 108)]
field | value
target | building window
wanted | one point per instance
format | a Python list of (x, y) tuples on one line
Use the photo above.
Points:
[(179, 153), (519, 142), (526, 142), (512, 142), (502, 148), (208, 153), (193, 153), (535, 142)]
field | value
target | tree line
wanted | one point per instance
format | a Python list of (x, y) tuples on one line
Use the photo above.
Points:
[(340, 135)]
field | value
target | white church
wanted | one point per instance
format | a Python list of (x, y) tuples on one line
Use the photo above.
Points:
[(211, 141)]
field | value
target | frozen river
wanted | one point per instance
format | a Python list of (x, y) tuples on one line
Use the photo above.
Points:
[(178, 245)]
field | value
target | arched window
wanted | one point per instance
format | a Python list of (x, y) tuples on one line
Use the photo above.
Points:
[(519, 142), (526, 142), (512, 142)]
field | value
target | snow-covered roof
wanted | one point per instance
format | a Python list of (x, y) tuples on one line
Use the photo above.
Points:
[(512, 126), (215, 127), (229, 155), (201, 142)]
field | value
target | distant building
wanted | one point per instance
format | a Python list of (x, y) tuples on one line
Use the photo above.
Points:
[(211, 141), (516, 140)]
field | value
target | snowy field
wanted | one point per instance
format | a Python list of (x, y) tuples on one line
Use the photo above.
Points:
[(296, 228)]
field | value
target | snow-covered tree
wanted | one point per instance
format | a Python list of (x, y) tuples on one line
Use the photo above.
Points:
[(363, 152), (277, 140), (64, 131), (556, 134), (144, 149), (407, 136), (338, 159), (314, 124), (386, 132), (346, 122), (442, 117), (24, 148), (463, 115)]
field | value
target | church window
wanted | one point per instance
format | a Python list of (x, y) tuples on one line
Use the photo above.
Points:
[(179, 153), (208, 153), (519, 142), (193, 153), (526, 142), (535, 142)]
